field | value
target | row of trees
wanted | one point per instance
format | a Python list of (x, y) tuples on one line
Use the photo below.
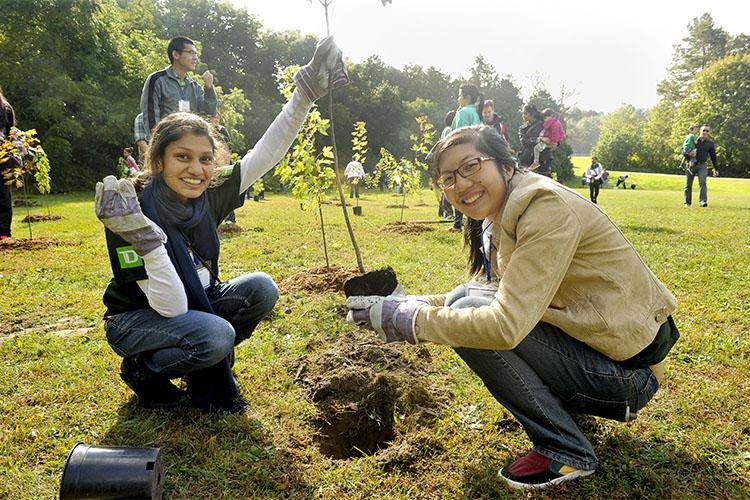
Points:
[(74, 70), (708, 82)]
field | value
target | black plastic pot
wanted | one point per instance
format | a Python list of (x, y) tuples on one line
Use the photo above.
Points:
[(108, 472), (357, 210), (256, 197)]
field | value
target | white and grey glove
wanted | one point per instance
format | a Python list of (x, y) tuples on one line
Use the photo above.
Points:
[(326, 67), (117, 206), (392, 317)]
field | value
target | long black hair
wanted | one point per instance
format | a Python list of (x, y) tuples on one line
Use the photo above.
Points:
[(488, 141), (534, 112), (477, 98)]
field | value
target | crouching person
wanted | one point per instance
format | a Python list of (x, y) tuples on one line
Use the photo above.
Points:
[(562, 316), (169, 314)]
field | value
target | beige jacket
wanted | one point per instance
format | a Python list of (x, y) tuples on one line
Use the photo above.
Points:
[(561, 260)]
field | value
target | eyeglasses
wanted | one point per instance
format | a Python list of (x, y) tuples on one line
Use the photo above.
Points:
[(706, 131), (191, 52), (465, 170)]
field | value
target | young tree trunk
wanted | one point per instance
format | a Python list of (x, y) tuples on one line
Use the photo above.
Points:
[(323, 230), (28, 212), (403, 203)]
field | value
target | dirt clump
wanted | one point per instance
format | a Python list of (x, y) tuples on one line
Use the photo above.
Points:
[(397, 206), (361, 387), (226, 229), (380, 282), (26, 244), (406, 228), (41, 218), (318, 280), (23, 202)]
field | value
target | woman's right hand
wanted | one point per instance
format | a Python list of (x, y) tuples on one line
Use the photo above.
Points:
[(117, 206), (325, 70)]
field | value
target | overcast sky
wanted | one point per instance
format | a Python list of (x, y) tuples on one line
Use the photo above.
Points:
[(608, 53)]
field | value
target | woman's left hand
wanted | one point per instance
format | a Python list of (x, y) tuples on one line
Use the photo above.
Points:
[(393, 319)]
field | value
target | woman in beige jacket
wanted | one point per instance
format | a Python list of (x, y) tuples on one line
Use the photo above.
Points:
[(562, 316)]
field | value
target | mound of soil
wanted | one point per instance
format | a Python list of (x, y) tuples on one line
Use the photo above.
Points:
[(26, 244), (406, 228), (225, 229), (397, 206), (40, 218), (318, 280), (360, 386)]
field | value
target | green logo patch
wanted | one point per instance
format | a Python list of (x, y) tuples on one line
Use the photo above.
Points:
[(128, 258)]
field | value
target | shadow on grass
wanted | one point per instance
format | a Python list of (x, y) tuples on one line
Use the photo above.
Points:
[(211, 455), (628, 468), (650, 229)]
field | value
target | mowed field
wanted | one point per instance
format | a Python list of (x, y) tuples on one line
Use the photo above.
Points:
[(59, 381)]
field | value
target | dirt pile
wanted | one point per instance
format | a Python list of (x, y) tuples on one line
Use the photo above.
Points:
[(361, 388), (406, 228), (26, 244), (317, 280), (41, 218)]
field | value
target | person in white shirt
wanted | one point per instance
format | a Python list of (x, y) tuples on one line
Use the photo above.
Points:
[(355, 175), (594, 173)]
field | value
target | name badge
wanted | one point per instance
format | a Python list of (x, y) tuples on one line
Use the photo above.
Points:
[(183, 106)]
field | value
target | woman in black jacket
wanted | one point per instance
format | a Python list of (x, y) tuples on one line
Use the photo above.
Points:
[(7, 120), (529, 135)]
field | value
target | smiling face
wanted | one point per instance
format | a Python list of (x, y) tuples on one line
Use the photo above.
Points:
[(187, 166), (482, 195)]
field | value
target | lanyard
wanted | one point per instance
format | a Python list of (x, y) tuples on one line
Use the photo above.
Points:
[(183, 92), (486, 254), (197, 258)]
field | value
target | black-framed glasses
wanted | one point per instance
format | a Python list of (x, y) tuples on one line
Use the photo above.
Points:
[(465, 170), (191, 52)]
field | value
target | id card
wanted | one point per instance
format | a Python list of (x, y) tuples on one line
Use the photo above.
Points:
[(479, 290), (183, 106)]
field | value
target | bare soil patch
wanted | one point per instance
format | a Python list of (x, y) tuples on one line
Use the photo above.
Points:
[(318, 280), (26, 244), (406, 228), (23, 202), (397, 206), (361, 387), (41, 218)]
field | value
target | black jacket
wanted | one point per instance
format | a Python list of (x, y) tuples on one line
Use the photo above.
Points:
[(529, 135), (7, 118), (705, 148)]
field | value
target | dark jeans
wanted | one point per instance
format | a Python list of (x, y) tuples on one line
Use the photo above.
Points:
[(458, 219), (6, 208), (195, 340), (445, 209), (550, 375), (594, 190), (700, 170)]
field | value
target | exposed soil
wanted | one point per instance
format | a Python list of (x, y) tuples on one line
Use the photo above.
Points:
[(26, 244), (225, 229), (381, 282), (23, 202), (406, 228), (361, 387), (318, 280), (40, 218), (397, 206)]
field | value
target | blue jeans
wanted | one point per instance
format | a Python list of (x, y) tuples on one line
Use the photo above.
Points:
[(701, 171), (550, 375), (177, 346)]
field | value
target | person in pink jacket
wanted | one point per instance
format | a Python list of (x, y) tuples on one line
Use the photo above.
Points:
[(551, 135)]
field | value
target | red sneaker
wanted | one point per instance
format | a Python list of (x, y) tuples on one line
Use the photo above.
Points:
[(535, 472), (4, 237)]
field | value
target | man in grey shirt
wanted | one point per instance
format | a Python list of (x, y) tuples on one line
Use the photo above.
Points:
[(172, 89)]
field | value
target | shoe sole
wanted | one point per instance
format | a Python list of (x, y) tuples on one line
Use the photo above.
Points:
[(540, 486)]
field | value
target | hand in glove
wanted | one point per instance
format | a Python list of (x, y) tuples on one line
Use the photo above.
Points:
[(326, 65), (392, 318), (116, 205)]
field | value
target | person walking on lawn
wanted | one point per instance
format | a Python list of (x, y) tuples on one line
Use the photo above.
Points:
[(561, 316), (704, 149), (168, 313)]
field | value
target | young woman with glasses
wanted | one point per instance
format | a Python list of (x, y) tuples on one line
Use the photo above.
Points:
[(561, 314)]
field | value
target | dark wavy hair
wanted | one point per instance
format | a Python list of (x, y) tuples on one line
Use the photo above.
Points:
[(487, 141), (477, 98), (173, 128), (534, 112)]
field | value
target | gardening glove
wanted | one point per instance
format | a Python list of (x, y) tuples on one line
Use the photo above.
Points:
[(326, 67), (116, 205), (393, 319)]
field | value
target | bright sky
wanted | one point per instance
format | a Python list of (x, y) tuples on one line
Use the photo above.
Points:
[(608, 53)]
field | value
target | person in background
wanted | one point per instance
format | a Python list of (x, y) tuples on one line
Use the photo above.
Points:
[(470, 105), (550, 136), (489, 117), (561, 315), (528, 134), (594, 173), (140, 135), (169, 315), (621, 181), (7, 121), (132, 165), (449, 116), (173, 89), (688, 148), (704, 149), (354, 173)]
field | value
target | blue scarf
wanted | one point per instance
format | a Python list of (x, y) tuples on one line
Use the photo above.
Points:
[(186, 225)]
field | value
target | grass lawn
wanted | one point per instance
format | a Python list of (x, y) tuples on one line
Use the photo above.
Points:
[(59, 379)]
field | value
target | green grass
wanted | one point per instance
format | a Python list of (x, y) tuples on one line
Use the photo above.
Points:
[(59, 382)]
